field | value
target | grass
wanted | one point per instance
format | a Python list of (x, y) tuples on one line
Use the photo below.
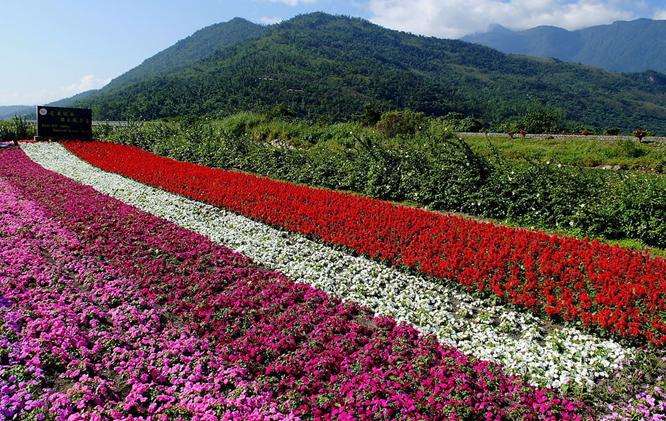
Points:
[(580, 152)]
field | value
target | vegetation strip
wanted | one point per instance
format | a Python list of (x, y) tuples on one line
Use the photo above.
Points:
[(312, 353), (551, 356), (601, 286)]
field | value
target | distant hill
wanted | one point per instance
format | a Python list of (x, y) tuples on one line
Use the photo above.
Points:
[(200, 45), (634, 46), (327, 67), (10, 111), (28, 111), (73, 100)]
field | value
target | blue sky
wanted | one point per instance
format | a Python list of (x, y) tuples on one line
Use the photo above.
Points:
[(54, 49)]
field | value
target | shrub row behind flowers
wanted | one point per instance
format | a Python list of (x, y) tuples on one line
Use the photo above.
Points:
[(602, 286), (310, 353)]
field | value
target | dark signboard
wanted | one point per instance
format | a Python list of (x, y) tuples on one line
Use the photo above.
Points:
[(64, 123)]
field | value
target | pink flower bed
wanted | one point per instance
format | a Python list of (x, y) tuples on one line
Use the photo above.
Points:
[(80, 340), (126, 312)]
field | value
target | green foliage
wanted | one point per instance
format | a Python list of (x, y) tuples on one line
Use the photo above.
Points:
[(539, 119), (371, 115), (199, 46), (457, 122), (16, 129), (631, 149), (625, 154), (5, 132), (430, 168), (401, 123), (22, 129), (326, 68)]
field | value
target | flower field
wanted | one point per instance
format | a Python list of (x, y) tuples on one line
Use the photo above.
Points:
[(173, 291), (600, 285)]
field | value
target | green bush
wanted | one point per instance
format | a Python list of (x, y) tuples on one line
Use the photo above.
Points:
[(457, 122), (6, 132), (613, 132), (630, 148), (405, 123), (16, 129), (539, 119)]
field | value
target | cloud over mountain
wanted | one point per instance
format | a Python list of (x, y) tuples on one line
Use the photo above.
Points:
[(455, 18)]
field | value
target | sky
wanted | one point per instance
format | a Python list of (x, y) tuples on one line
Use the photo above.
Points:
[(54, 49)]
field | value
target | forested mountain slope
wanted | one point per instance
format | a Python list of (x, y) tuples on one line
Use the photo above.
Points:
[(198, 46), (329, 68), (634, 46)]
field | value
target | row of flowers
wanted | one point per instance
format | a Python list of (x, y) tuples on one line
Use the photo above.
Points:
[(545, 355), (602, 286), (78, 340), (304, 351)]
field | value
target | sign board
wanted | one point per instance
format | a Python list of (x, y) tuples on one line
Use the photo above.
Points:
[(64, 123)]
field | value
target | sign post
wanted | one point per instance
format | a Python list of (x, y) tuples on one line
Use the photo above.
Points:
[(57, 123)]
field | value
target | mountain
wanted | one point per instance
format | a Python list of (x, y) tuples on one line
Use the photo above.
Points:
[(28, 111), (634, 46), (75, 99), (198, 46), (9, 111), (330, 67)]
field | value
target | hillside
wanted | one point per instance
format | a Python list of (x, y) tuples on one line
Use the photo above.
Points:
[(326, 67), (9, 111), (198, 46), (75, 99), (634, 46)]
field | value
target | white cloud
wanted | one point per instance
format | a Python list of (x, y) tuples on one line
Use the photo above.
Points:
[(660, 14), (43, 96), (269, 20), (86, 83), (455, 18)]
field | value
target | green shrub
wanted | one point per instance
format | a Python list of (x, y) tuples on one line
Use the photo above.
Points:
[(405, 123), (457, 122), (541, 119), (6, 132), (630, 148), (16, 129), (371, 115)]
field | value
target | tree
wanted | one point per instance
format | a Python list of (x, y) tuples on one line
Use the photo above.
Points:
[(540, 119), (371, 115), (407, 122), (640, 134)]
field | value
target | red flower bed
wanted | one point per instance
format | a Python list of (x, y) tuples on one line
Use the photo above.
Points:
[(609, 287)]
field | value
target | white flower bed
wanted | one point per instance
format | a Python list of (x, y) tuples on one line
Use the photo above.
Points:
[(545, 356)]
